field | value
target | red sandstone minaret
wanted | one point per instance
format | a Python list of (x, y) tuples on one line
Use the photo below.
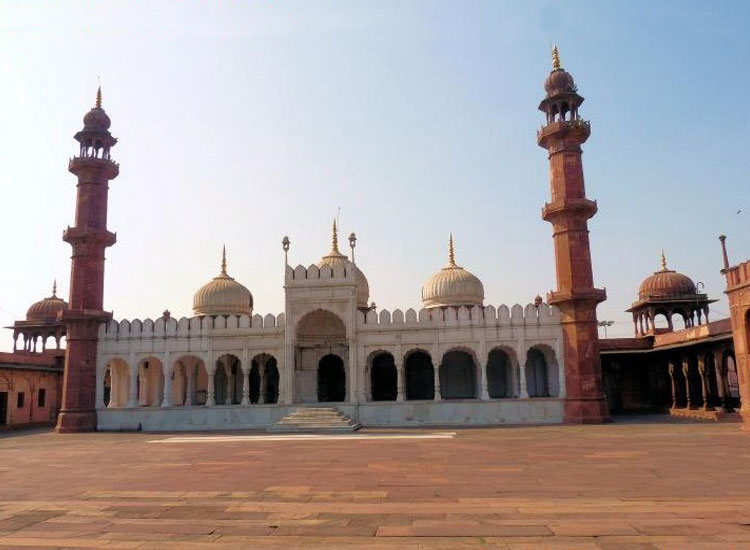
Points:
[(568, 213), (88, 238)]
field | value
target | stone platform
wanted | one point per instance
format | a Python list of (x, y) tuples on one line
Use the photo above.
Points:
[(714, 415), (660, 484)]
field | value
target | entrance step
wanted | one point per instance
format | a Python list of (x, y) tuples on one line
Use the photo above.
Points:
[(317, 420)]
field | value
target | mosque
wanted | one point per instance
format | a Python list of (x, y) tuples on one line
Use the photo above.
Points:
[(331, 360)]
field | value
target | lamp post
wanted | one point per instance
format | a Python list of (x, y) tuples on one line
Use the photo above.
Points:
[(285, 245), (605, 324), (352, 243)]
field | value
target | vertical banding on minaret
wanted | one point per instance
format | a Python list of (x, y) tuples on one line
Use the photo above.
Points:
[(88, 238), (568, 213)]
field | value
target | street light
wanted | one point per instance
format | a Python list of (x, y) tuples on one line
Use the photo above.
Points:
[(605, 324)]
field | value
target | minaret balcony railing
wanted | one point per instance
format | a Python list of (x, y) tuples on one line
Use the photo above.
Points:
[(109, 167), (88, 235), (578, 127), (583, 207)]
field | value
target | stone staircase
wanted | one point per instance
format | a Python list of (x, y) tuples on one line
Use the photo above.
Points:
[(316, 420)]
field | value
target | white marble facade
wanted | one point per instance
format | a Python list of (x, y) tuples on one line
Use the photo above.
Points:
[(444, 365)]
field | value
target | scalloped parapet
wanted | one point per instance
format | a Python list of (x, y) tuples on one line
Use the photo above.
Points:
[(305, 275), (189, 327), (516, 315)]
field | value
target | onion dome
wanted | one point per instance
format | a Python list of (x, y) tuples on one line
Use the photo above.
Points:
[(223, 295), (48, 308), (335, 258), (96, 119), (666, 284), (452, 286), (559, 80)]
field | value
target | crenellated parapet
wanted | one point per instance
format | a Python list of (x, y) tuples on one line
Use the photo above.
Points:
[(306, 275), (201, 326), (503, 315)]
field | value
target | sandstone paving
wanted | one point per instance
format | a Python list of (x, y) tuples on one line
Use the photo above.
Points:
[(634, 485)]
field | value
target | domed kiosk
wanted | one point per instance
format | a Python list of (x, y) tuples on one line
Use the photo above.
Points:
[(667, 293), (42, 322)]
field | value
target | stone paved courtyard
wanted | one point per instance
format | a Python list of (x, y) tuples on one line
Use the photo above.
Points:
[(633, 485)]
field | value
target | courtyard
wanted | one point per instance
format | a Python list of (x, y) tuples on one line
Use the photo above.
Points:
[(641, 483)]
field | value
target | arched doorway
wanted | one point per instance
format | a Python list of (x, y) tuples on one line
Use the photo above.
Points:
[(320, 333), (383, 377), (117, 384), (499, 374), (228, 380), (537, 379), (264, 379), (331, 379), (458, 375), (420, 376)]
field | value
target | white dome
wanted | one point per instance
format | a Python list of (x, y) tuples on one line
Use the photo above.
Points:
[(223, 295), (452, 286)]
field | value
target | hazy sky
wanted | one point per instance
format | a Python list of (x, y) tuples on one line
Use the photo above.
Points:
[(240, 122)]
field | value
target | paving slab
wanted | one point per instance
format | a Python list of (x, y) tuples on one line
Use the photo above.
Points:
[(634, 485)]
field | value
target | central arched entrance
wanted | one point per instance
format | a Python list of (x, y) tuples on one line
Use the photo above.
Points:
[(321, 358), (331, 379)]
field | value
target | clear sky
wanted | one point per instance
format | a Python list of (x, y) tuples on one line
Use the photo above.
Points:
[(240, 122)]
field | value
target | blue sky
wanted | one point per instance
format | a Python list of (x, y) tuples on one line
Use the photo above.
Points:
[(240, 122)]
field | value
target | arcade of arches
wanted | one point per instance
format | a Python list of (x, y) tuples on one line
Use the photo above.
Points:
[(697, 378), (189, 383), (458, 376)]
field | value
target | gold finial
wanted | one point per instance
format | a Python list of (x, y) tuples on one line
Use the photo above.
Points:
[(224, 261), (451, 252), (54, 288), (99, 97), (335, 240), (555, 59), (663, 261)]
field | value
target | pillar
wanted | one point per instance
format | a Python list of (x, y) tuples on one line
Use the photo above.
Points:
[(674, 385), (191, 375), (522, 381), (686, 374), (245, 367), (400, 386), (704, 381), (210, 370)]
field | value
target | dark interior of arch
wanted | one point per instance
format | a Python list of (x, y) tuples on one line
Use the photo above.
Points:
[(458, 376), (537, 382), (270, 388), (331, 379), (383, 378), (499, 376), (420, 376)]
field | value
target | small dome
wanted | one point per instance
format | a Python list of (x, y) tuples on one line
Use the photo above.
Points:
[(666, 284), (96, 119), (559, 80), (452, 286), (335, 258), (223, 295), (48, 308)]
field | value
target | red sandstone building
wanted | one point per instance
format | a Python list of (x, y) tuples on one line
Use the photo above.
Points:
[(699, 370), (31, 376)]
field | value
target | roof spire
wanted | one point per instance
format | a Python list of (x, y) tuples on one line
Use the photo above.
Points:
[(335, 239), (555, 59), (54, 288), (99, 97), (224, 261), (451, 252), (663, 261)]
